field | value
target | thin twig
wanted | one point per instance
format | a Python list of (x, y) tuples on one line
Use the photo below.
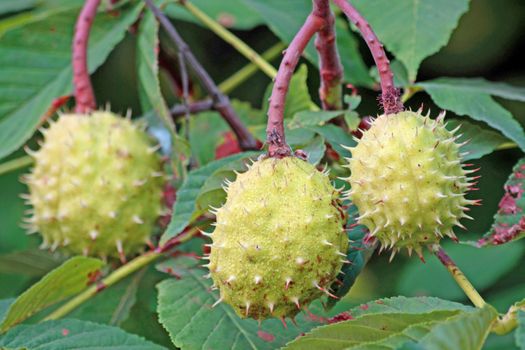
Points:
[(229, 84), (390, 99), (15, 164), (116, 276), (230, 38), (330, 67), (119, 274), (221, 102), (247, 71), (185, 92), (275, 137), (458, 276), (84, 96), (192, 108), (508, 322)]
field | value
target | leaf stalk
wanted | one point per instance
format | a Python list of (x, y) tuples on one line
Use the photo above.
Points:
[(458, 276)]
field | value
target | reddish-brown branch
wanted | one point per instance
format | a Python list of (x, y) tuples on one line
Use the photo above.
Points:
[(330, 67), (84, 96), (169, 63), (390, 97), (277, 146), (192, 108), (221, 103)]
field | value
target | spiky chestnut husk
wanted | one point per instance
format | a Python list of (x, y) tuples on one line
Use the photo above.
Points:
[(408, 182), (96, 185), (279, 240)]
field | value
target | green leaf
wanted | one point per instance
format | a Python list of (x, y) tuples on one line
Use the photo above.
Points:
[(481, 141), (186, 313), (148, 69), (310, 118), (4, 307), (12, 209), (500, 342), (504, 298), (479, 85), (42, 11), (336, 137), (359, 252), (285, 18), (400, 74), (212, 193), (13, 237), (211, 124), (151, 99), (69, 279), (353, 101), (185, 209), (230, 13), (371, 331), (72, 334), (8, 6), (479, 105), (143, 319), (413, 30), (114, 305), (298, 98), (33, 263), (400, 304), (382, 324), (466, 331), (355, 69), (420, 279), (35, 67), (509, 224), (315, 149), (520, 332)]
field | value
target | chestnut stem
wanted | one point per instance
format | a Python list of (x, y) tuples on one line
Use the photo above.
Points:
[(275, 137), (390, 96), (84, 96), (330, 67), (458, 276)]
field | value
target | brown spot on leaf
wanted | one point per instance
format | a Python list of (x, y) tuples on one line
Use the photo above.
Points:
[(508, 205), (266, 336), (226, 19), (343, 316), (93, 276)]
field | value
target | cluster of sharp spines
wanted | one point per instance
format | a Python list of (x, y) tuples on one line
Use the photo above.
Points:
[(291, 291), (462, 183), (258, 279), (81, 169)]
